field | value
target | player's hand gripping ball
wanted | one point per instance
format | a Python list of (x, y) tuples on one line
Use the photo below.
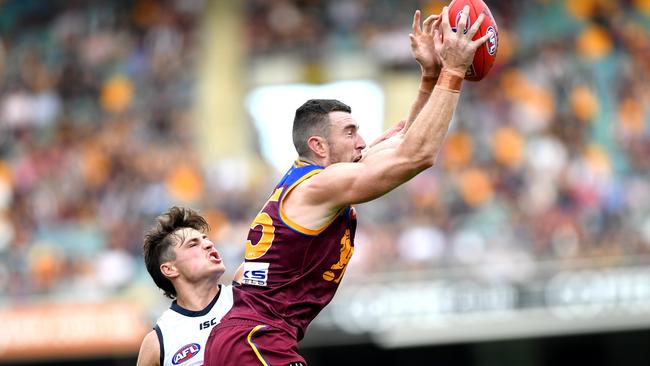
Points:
[(487, 53)]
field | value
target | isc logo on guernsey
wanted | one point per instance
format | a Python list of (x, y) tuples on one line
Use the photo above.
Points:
[(185, 353)]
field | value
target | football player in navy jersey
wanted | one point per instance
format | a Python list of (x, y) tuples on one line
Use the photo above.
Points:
[(185, 264)]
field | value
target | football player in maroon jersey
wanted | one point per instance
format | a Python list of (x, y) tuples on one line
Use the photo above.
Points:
[(300, 242)]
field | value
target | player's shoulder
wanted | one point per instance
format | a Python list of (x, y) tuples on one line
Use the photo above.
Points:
[(151, 339), (299, 172), (226, 290), (332, 177), (225, 294), (149, 354), (169, 315), (221, 305)]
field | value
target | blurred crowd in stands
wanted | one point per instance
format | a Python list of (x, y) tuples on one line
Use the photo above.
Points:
[(94, 114), (547, 160)]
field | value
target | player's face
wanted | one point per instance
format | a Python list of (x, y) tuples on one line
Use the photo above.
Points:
[(345, 143), (196, 256)]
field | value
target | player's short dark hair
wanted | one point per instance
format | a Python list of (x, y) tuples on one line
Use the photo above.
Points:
[(312, 119), (160, 238)]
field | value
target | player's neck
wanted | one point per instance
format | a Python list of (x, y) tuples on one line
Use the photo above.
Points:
[(311, 161), (196, 297)]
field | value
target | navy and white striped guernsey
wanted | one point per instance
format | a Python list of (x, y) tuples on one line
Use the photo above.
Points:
[(182, 333)]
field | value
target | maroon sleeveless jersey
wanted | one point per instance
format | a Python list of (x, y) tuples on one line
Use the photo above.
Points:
[(292, 272)]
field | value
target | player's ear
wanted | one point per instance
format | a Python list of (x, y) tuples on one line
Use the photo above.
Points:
[(317, 146), (169, 270)]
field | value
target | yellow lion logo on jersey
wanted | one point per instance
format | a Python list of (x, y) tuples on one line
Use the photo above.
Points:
[(346, 254)]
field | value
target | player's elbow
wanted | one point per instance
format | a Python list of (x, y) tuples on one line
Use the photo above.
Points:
[(425, 163), (422, 160), (416, 160), (413, 166)]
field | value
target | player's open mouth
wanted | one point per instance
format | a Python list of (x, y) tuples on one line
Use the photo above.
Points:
[(356, 159), (214, 257)]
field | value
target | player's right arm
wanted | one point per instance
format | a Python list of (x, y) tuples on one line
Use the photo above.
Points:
[(149, 350), (380, 172)]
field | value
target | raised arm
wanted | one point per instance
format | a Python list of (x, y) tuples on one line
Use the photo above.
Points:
[(423, 47), (348, 183), (388, 139)]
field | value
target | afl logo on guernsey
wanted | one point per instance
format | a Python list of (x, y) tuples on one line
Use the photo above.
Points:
[(185, 353)]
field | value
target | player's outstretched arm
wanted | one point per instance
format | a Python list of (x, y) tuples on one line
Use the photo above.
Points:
[(149, 350), (385, 140), (423, 47), (348, 183)]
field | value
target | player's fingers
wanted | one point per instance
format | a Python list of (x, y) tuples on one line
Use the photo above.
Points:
[(412, 38), (461, 25), (416, 22), (477, 43), (428, 24), (437, 22), (446, 28), (476, 26), (437, 39)]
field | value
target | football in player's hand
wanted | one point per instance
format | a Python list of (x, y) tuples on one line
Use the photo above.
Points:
[(486, 53)]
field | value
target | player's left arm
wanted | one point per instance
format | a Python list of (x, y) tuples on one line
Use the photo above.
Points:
[(149, 350), (423, 49)]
